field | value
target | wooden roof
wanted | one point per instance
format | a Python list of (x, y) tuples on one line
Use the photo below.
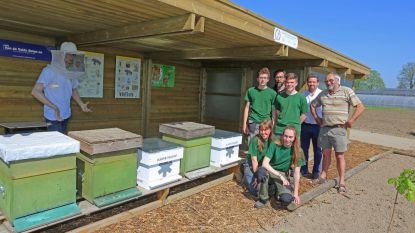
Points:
[(187, 29)]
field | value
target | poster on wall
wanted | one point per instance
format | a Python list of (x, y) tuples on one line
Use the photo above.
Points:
[(92, 83), (127, 77), (163, 75)]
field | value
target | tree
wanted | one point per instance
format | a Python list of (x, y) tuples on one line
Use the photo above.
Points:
[(406, 77), (373, 82)]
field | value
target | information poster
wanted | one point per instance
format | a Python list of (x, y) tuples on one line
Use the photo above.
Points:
[(92, 83), (163, 75), (127, 77)]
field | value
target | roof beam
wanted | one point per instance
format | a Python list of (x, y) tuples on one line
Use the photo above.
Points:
[(288, 64), (161, 27), (224, 53), (344, 72), (226, 12)]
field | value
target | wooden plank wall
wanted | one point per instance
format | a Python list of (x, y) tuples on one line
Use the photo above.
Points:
[(18, 76), (179, 103)]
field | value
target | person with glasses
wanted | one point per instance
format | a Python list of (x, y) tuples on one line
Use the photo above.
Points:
[(335, 101), (279, 86)]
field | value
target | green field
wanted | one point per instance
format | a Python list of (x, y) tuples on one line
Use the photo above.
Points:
[(390, 108)]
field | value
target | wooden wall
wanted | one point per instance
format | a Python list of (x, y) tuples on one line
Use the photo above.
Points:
[(179, 103)]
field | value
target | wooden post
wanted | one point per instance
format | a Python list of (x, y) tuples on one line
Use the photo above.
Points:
[(162, 195), (146, 102), (202, 96)]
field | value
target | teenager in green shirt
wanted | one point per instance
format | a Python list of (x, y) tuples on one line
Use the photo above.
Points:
[(281, 156), (256, 153), (259, 101), (291, 106)]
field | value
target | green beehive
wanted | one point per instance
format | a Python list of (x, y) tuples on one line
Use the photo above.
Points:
[(107, 165), (37, 178), (195, 138)]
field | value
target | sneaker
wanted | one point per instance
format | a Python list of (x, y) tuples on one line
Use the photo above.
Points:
[(260, 204), (315, 176)]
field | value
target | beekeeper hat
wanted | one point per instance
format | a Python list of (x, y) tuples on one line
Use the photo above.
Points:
[(68, 47)]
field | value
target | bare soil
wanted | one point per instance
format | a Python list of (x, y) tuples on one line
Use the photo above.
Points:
[(366, 208), (391, 122)]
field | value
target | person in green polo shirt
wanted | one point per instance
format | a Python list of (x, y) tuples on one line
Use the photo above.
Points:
[(259, 101), (256, 153), (291, 106), (281, 156)]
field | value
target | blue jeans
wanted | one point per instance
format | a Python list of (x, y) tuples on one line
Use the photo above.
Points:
[(60, 126), (310, 131), (249, 177)]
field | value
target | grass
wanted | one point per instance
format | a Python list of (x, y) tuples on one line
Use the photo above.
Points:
[(390, 108)]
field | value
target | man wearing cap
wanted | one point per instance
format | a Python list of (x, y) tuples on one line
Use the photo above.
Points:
[(57, 84), (335, 101)]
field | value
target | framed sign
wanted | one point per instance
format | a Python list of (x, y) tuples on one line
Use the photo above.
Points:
[(92, 83), (127, 77), (163, 75)]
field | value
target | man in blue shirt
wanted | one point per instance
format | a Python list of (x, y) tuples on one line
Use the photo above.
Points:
[(57, 84)]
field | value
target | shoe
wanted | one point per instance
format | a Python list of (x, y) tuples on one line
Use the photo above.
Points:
[(341, 189), (315, 176), (319, 180), (260, 204), (305, 174)]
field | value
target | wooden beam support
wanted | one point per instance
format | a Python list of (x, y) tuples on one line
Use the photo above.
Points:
[(161, 27), (224, 53), (344, 72), (286, 64), (146, 104)]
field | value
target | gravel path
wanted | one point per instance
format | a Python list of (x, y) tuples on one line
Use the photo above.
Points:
[(367, 207)]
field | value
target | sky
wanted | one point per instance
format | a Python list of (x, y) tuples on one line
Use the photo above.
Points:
[(379, 34)]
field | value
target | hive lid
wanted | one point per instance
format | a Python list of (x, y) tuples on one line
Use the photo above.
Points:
[(15, 147), (187, 130), (153, 145), (221, 134), (106, 140)]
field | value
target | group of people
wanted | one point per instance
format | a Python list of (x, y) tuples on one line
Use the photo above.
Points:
[(275, 121), (280, 122)]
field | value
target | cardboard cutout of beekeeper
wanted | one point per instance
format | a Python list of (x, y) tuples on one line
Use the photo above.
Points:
[(57, 84)]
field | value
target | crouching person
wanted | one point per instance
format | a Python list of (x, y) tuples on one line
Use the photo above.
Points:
[(282, 155), (256, 153)]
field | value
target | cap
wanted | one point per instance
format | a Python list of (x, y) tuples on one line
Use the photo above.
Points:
[(68, 47)]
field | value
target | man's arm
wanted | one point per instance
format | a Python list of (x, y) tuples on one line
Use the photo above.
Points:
[(315, 116), (357, 112), (37, 92), (302, 118), (245, 119), (78, 100)]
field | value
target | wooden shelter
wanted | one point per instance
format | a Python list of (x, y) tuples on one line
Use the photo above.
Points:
[(216, 48)]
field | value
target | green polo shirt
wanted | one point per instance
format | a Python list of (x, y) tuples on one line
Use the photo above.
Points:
[(253, 150), (290, 108), (280, 157), (261, 102), (335, 107)]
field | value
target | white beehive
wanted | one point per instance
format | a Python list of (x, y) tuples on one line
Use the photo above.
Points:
[(225, 148), (158, 163)]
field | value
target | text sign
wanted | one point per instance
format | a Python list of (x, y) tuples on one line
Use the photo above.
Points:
[(285, 38), (18, 49)]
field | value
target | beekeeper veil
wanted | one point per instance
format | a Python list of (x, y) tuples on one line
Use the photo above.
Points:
[(68, 60)]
